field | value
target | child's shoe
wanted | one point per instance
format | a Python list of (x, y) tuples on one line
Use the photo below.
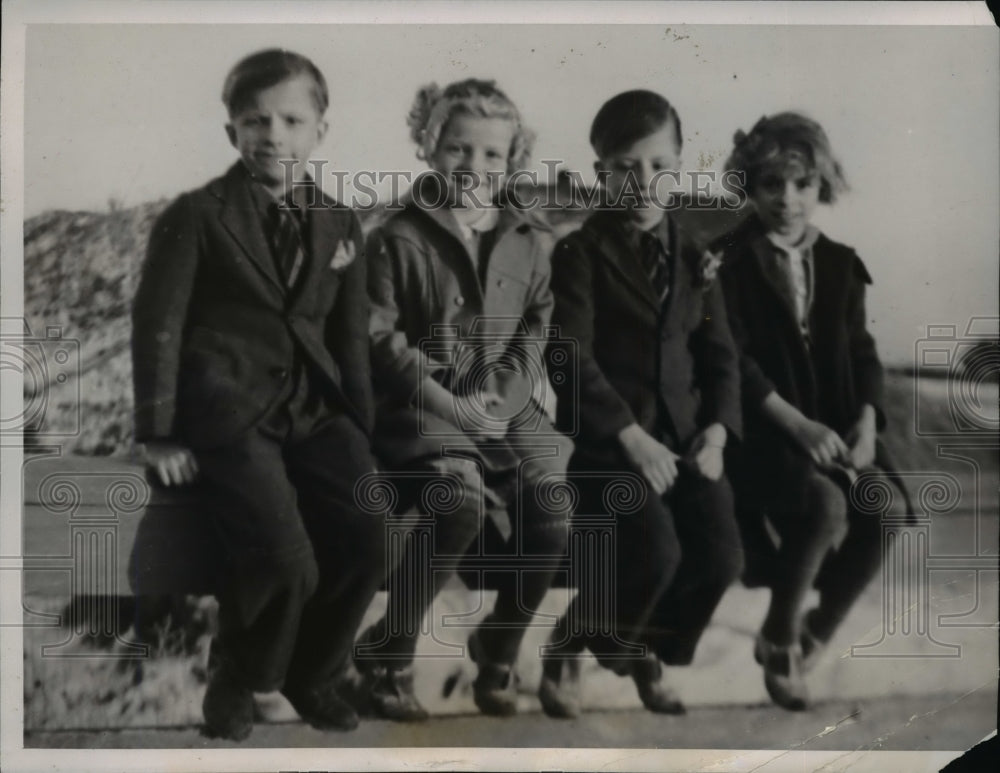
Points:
[(495, 688), (813, 646), (656, 696), (392, 694), (321, 706), (228, 706), (559, 690), (783, 674)]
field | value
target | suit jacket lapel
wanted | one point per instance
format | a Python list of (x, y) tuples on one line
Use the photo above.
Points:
[(615, 247), (320, 238), (239, 217), (681, 284)]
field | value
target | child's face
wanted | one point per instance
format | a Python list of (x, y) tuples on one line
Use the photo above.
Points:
[(786, 195), (472, 154), (637, 174), (280, 122)]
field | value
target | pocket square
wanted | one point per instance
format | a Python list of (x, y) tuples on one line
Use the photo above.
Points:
[(343, 256)]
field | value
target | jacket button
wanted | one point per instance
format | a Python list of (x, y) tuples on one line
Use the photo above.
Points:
[(500, 283), (459, 300), (279, 373)]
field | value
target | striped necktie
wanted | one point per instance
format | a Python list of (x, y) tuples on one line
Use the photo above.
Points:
[(655, 263), (288, 247)]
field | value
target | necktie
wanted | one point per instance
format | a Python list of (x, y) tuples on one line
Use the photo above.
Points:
[(654, 261), (288, 247)]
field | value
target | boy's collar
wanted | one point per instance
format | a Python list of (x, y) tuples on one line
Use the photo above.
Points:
[(663, 231)]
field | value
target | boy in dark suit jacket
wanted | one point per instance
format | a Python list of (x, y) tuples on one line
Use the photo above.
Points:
[(251, 371), (658, 395)]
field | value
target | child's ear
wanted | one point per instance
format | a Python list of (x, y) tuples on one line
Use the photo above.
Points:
[(321, 128), (231, 133)]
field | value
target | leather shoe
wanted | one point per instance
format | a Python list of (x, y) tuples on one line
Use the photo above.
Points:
[(321, 707), (656, 696), (227, 706), (559, 690), (783, 674), (392, 694), (495, 687), (813, 647)]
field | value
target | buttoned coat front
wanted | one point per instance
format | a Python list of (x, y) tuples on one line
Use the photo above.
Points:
[(670, 369), (433, 317), (216, 334)]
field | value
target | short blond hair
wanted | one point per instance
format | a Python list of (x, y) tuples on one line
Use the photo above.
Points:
[(433, 108)]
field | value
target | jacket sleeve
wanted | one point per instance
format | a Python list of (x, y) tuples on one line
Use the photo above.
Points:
[(755, 386), (865, 364), (580, 385), (159, 311), (717, 366), (527, 349), (347, 331), (396, 366)]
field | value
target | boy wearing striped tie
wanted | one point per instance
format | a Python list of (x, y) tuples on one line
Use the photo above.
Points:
[(251, 372)]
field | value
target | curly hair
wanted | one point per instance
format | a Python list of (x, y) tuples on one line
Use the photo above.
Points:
[(433, 108), (775, 136)]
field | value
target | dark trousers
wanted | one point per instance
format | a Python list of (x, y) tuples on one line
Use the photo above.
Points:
[(674, 557), (538, 526), (302, 561)]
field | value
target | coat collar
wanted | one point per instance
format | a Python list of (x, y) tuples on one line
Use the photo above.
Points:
[(241, 217), (427, 192), (772, 268), (617, 241)]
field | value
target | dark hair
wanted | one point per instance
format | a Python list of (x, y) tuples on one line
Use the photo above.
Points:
[(268, 68), (773, 136), (630, 116)]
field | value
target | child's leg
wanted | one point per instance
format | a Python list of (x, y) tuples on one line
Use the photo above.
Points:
[(712, 561), (393, 640), (647, 554), (850, 569), (270, 570), (539, 528), (349, 545), (807, 513)]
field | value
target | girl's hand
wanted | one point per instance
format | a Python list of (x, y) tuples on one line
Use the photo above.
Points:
[(654, 461), (476, 410), (824, 446), (706, 451), (174, 464), (860, 440)]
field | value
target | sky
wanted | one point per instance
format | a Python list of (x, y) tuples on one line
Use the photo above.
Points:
[(133, 113)]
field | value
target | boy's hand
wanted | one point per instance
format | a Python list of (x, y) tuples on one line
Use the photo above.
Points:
[(824, 446), (174, 464), (706, 451), (656, 462), (476, 407), (860, 440)]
